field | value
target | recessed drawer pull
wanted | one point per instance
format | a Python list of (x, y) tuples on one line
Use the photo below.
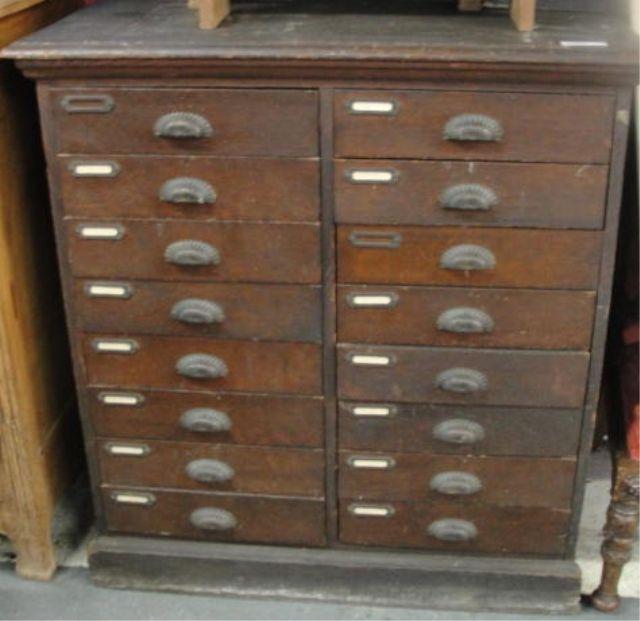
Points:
[(459, 431), (133, 498), (127, 450), (209, 518), (370, 360), (120, 398), (191, 253), (473, 128), (373, 411), (182, 126), (465, 321), (372, 300), (373, 107), (87, 104), (468, 257), (462, 381), (201, 366), (196, 311), (108, 290), (371, 463), (452, 529), (94, 169), (99, 231), (187, 191), (468, 197), (372, 176), (455, 483), (115, 346), (362, 510), (205, 420), (375, 239), (209, 471)]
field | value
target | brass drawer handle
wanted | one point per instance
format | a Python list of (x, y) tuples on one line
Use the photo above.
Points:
[(192, 253), (454, 483), (375, 239), (205, 420), (468, 257), (201, 366), (210, 518), (87, 104), (187, 191), (465, 321), (473, 128), (182, 125), (451, 529), (459, 431), (209, 471), (462, 381), (468, 197), (196, 311)]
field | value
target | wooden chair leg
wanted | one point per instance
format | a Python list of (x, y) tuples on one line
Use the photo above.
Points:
[(523, 14), (212, 12)]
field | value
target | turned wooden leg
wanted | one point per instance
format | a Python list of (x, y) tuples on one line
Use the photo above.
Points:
[(523, 14), (619, 535)]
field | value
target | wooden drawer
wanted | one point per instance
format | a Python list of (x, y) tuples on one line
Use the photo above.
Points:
[(486, 194), (207, 188), (154, 362), (482, 377), (453, 317), (244, 252), (236, 311), (506, 481), (498, 530), (496, 258), (212, 467), (248, 518), (440, 429), (527, 127), (230, 121)]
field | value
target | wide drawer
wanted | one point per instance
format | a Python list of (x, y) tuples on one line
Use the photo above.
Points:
[(215, 121), (235, 311), (488, 194), (212, 467), (482, 377), (206, 417), (472, 125), (202, 364), (216, 517), (205, 188), (506, 481), (452, 527), (454, 317), (173, 250), (441, 429), (469, 257)]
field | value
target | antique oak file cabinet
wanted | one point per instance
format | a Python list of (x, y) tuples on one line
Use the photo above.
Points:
[(337, 286)]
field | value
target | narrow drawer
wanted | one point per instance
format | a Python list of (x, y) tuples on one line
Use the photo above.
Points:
[(207, 417), (199, 364), (454, 317), (172, 250), (484, 194), (452, 527), (212, 467), (504, 481), (207, 188), (518, 258), (215, 517), (475, 377), (441, 429), (234, 311), (472, 125), (174, 121)]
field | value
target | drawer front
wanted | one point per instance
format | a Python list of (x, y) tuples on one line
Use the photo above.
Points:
[(451, 317), (506, 481), (205, 417), (504, 126), (487, 529), (488, 194), (215, 517), (465, 257), (164, 250), (205, 188), (198, 364), (235, 311), (371, 426), (482, 377), (211, 467), (213, 121)]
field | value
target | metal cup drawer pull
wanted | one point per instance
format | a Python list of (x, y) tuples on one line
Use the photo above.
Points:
[(108, 290), (182, 126), (94, 169), (201, 366), (375, 239), (372, 300), (455, 483), (371, 463), (451, 529), (192, 253), (465, 321), (468, 197), (115, 346), (459, 431), (373, 410), (370, 360), (106, 232), (376, 511), (120, 398), (373, 107), (127, 450), (373, 176), (133, 498), (468, 257), (210, 518), (205, 420), (87, 104), (197, 311), (473, 128), (187, 191), (462, 381), (209, 471)]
